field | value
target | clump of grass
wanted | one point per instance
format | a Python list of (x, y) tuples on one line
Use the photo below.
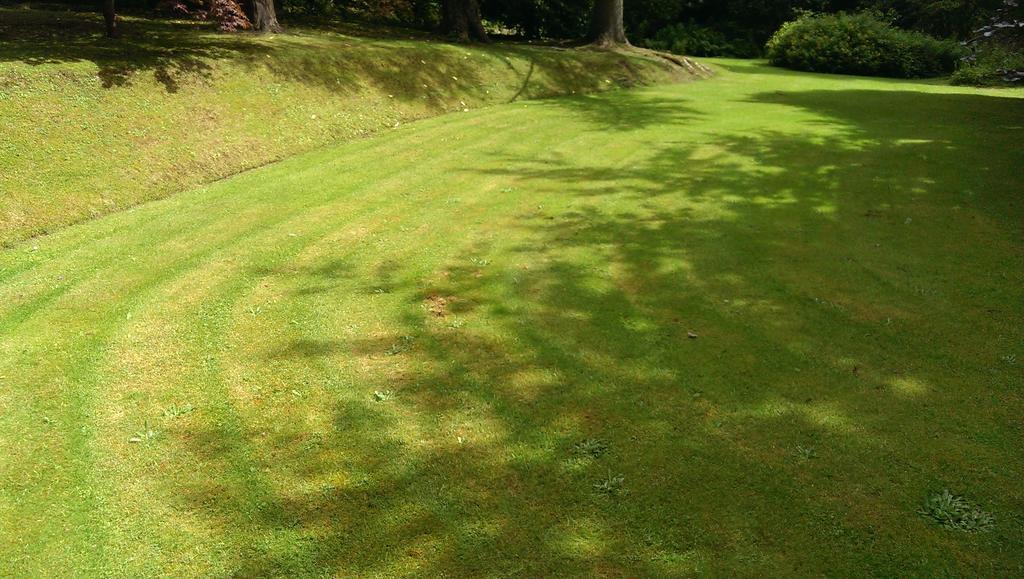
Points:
[(956, 512), (383, 395), (592, 447)]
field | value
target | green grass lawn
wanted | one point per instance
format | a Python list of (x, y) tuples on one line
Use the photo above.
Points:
[(92, 125), (743, 326)]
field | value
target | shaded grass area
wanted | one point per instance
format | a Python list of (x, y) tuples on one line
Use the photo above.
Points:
[(93, 125), (747, 326)]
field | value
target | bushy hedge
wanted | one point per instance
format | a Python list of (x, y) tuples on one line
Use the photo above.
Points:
[(862, 44)]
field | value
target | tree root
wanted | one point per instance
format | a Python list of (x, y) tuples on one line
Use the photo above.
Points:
[(689, 64)]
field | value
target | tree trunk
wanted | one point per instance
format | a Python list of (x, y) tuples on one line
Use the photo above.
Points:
[(461, 19), (110, 19), (264, 18), (606, 28)]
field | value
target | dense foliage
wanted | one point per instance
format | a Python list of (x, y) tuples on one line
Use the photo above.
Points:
[(745, 25), (997, 51), (228, 14), (540, 18), (860, 43), (993, 65), (695, 40)]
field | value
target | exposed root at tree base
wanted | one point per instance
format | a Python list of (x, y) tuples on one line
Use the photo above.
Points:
[(689, 64)]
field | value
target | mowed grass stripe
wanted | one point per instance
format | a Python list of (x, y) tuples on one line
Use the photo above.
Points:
[(83, 245), (236, 239), (80, 381)]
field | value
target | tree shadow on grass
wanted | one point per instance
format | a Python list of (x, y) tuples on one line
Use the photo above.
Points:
[(171, 50), (933, 145), (627, 111), (177, 52), (777, 361)]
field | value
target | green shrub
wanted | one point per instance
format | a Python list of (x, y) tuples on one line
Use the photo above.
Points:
[(861, 44), (991, 66), (694, 40)]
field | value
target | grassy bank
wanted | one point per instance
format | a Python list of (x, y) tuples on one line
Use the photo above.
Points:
[(747, 326), (92, 125)]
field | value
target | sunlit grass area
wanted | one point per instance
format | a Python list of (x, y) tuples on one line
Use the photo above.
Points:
[(754, 325), (93, 125)]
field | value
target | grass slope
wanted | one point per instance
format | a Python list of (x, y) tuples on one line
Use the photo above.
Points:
[(92, 125), (464, 347)]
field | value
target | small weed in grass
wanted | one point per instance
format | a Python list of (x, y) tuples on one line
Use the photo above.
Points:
[(383, 396), (611, 485), (402, 345), (805, 452), (174, 411), (592, 447), (147, 434), (956, 512), (314, 442)]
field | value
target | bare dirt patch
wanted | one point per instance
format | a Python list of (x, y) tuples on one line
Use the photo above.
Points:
[(437, 305)]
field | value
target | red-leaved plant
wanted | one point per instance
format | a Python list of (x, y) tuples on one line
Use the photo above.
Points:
[(228, 14)]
